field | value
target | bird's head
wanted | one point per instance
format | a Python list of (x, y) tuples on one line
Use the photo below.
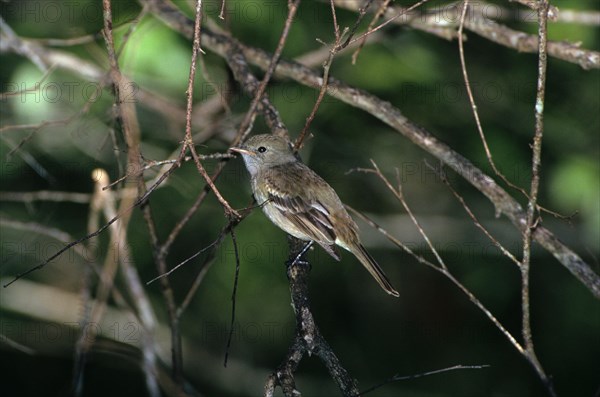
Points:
[(265, 150)]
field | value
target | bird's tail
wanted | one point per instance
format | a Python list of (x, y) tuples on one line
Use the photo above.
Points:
[(369, 263)]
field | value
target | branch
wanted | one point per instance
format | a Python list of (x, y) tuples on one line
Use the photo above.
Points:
[(308, 338), (543, 9), (491, 30), (189, 141), (131, 131), (463, 66), (27, 49), (523, 42)]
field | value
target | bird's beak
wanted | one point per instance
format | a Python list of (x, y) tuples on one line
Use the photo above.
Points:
[(242, 151)]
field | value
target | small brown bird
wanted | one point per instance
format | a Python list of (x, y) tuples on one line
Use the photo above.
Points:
[(301, 203)]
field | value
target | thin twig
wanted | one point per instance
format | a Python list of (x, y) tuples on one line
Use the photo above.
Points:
[(397, 377), (527, 352), (317, 57), (448, 275), (397, 192), (390, 20), (336, 26), (469, 212), (326, 67), (61, 251), (361, 14), (137, 173), (64, 237), (380, 12), (189, 142), (210, 259), (188, 259), (233, 294), (467, 82), (337, 46)]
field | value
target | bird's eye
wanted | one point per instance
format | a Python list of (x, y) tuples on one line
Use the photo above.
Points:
[(262, 149)]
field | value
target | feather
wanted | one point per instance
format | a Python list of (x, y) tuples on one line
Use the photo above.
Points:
[(303, 214)]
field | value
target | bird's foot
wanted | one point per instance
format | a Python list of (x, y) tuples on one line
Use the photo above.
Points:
[(298, 262)]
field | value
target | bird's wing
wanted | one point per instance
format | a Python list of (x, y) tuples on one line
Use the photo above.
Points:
[(305, 213)]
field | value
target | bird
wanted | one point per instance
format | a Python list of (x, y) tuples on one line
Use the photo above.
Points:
[(301, 203)]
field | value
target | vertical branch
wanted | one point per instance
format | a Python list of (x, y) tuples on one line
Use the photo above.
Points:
[(128, 116), (535, 176), (189, 142), (533, 192), (84, 342), (326, 67), (308, 338)]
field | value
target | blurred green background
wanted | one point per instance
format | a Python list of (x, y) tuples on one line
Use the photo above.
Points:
[(432, 325)]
